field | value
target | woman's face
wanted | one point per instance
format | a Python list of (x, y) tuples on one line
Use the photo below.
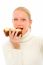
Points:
[(21, 20)]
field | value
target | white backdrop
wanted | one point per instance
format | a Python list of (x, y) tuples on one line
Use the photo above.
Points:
[(35, 7)]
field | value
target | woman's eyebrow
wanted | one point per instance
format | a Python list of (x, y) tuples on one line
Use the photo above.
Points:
[(20, 19), (23, 19)]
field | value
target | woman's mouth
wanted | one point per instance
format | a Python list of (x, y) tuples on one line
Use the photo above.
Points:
[(20, 28)]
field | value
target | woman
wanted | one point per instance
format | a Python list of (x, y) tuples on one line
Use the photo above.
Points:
[(25, 49)]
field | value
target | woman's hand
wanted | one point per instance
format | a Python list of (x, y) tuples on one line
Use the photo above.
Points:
[(15, 40)]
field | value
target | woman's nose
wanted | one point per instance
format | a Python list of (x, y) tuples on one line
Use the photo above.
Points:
[(20, 21)]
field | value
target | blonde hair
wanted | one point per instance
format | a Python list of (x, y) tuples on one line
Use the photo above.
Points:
[(25, 10)]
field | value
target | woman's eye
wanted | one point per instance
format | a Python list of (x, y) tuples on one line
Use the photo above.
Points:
[(23, 19), (15, 19)]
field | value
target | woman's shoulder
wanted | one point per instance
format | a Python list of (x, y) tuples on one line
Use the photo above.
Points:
[(6, 46), (37, 38)]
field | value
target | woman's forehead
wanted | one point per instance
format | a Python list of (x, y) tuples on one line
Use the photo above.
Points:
[(20, 13)]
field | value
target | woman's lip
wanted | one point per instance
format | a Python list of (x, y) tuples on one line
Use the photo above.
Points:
[(20, 28)]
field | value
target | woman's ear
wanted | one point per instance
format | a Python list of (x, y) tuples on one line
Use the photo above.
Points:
[(30, 23)]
